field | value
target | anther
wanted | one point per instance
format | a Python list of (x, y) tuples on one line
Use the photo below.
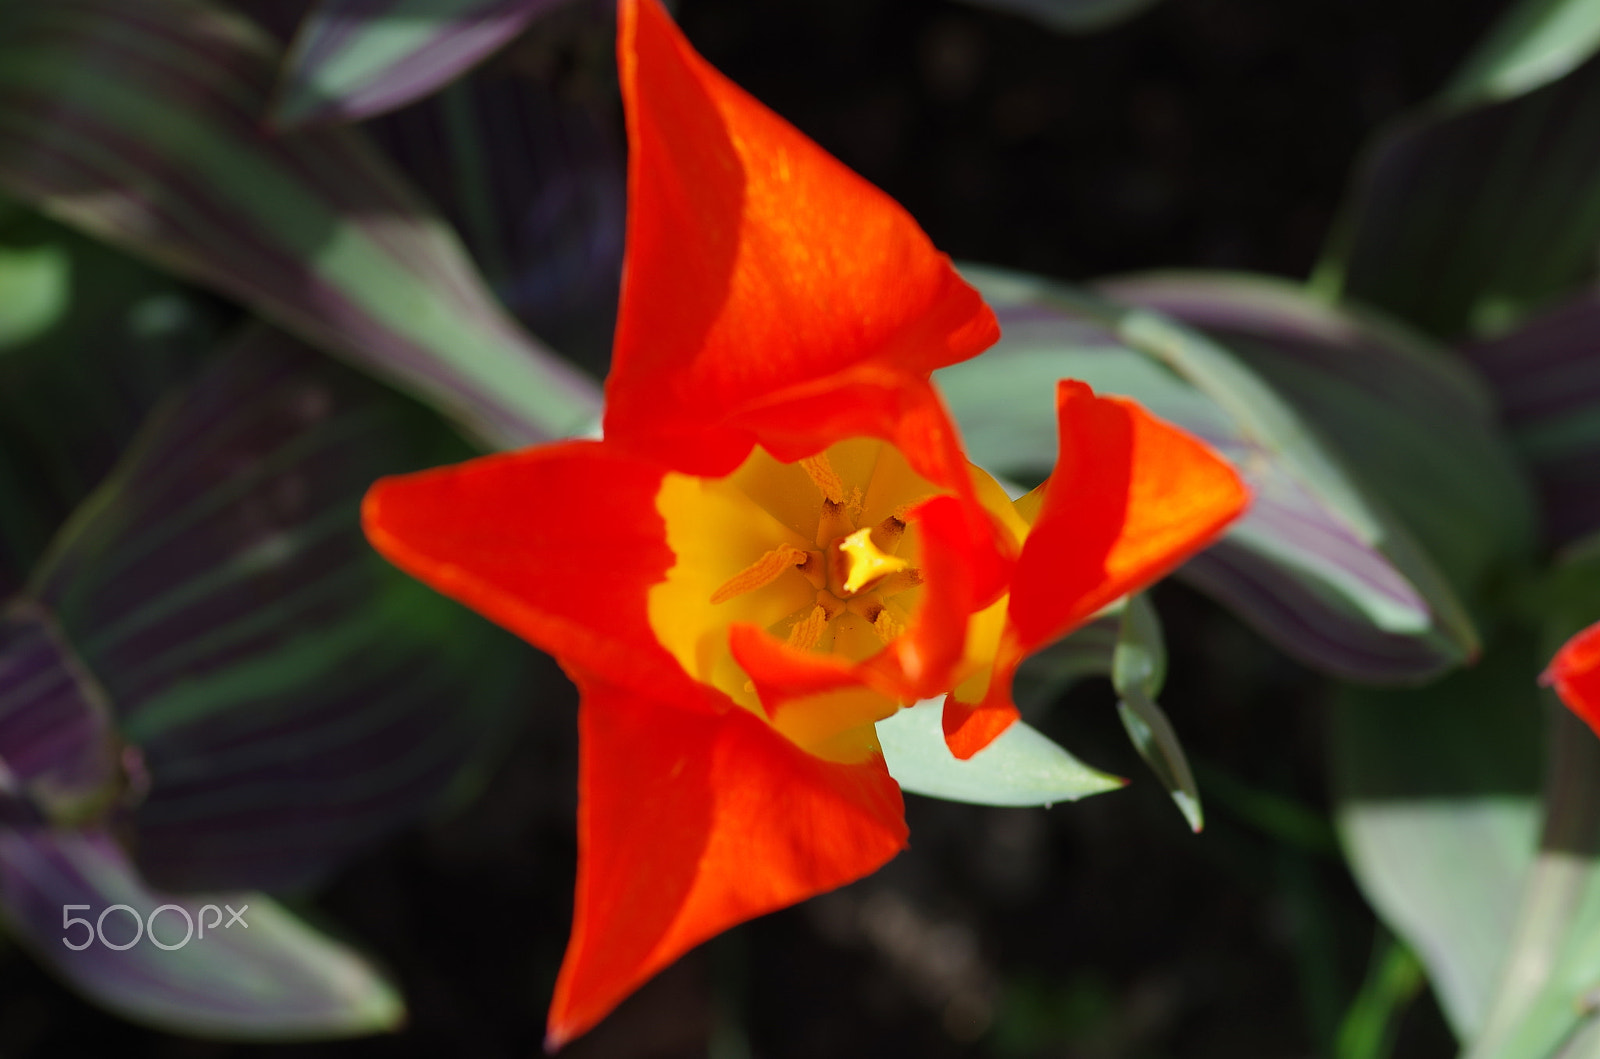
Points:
[(761, 573), (805, 633), (886, 625)]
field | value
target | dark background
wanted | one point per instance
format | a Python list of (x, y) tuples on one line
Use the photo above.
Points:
[(1204, 133)]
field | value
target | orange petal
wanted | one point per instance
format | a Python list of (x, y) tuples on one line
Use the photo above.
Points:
[(559, 544), (1130, 499), (1575, 674), (759, 270), (689, 823)]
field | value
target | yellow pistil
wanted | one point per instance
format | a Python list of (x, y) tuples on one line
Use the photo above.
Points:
[(761, 573), (864, 563)]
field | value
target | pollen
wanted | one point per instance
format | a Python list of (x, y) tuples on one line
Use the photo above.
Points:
[(762, 572), (864, 563), (806, 632)]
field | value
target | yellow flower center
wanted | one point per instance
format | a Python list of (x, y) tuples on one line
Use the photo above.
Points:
[(820, 553)]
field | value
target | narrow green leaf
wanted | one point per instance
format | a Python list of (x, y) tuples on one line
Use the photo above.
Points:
[(1021, 767), (1394, 980), (1137, 671)]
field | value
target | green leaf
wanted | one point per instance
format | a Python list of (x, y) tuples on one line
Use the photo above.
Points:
[(1370, 1025), (34, 289), (1137, 670), (143, 126), (1533, 43), (1021, 767), (1436, 804)]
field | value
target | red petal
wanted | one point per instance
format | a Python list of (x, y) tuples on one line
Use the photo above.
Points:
[(559, 544), (759, 269), (1130, 499), (690, 823), (1575, 673)]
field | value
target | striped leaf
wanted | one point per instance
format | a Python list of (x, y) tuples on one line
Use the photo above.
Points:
[(1464, 223), (1315, 565), (74, 391), (352, 59), (1547, 378), (268, 976), (531, 168), (1138, 669), (1419, 427), (142, 125), (58, 755), (291, 698)]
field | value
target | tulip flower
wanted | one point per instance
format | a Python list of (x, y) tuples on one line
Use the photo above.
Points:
[(1575, 675), (778, 543)]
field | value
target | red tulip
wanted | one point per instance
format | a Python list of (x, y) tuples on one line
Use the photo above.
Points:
[(1575, 674), (778, 542)]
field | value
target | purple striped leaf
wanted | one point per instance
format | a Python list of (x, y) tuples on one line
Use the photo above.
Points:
[(531, 168), (73, 392), (1533, 43), (352, 59), (193, 968), (291, 698), (1361, 599), (1417, 425), (141, 124), (58, 754), (1464, 223), (1547, 377)]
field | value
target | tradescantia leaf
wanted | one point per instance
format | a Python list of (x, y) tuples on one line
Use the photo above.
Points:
[(1315, 566), (1463, 224), (268, 977), (1072, 16), (352, 59), (141, 124), (1535, 42), (58, 756), (1547, 379), (532, 170), (1436, 802), (73, 392), (291, 698), (1419, 427), (1138, 669)]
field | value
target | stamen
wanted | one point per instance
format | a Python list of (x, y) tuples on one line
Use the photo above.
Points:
[(805, 633), (886, 626), (903, 581), (864, 562), (825, 477), (889, 531), (761, 573), (834, 523)]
